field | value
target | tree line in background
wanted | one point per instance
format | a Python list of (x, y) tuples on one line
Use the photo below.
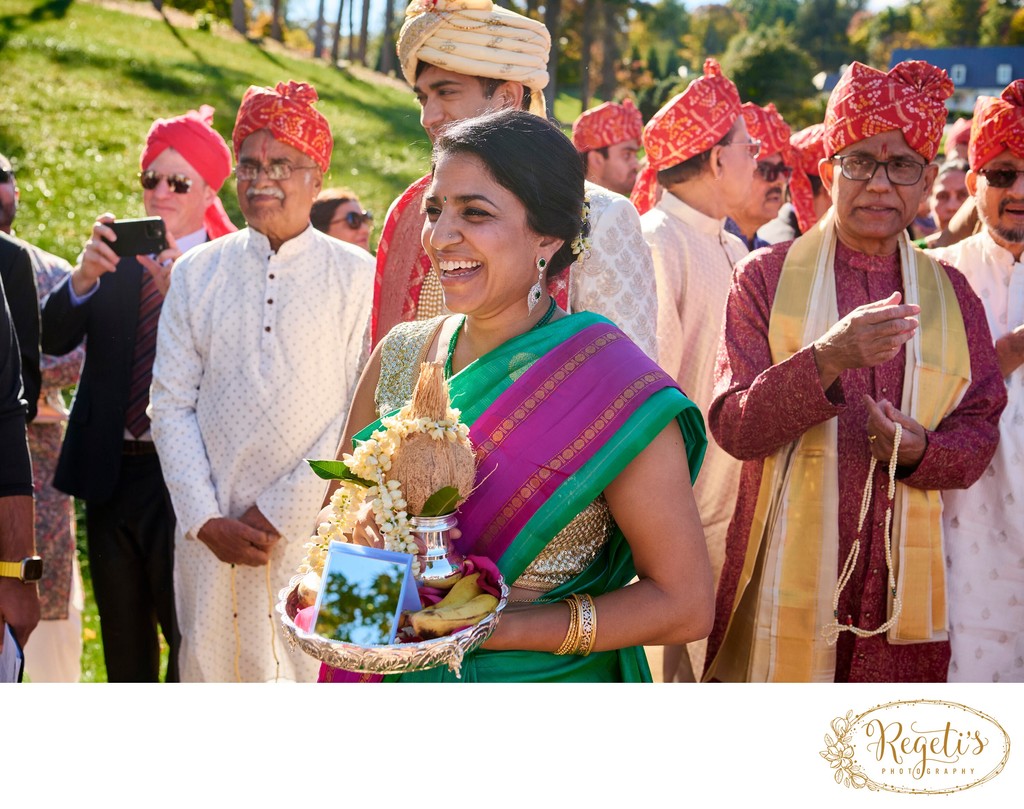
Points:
[(606, 49)]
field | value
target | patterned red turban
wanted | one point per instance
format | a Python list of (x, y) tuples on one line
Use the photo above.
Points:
[(287, 111), (998, 126), (766, 125), (606, 125), (193, 137), (866, 102), (689, 124), (807, 148)]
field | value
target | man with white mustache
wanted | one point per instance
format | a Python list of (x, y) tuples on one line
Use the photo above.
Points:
[(262, 338)]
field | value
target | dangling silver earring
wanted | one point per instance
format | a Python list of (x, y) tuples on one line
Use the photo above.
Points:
[(533, 296)]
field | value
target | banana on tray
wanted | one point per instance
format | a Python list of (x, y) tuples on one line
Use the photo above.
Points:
[(466, 604)]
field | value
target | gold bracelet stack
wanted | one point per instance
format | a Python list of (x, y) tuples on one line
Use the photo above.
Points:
[(572, 637), (582, 633)]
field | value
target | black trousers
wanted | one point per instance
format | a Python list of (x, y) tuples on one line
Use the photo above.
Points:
[(131, 557)]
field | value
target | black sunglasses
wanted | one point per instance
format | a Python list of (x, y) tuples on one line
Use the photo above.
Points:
[(770, 172), (1000, 178), (6, 175), (355, 220), (178, 183)]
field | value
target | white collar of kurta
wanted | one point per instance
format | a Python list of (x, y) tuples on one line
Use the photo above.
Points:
[(261, 244), (190, 240), (996, 253), (673, 206)]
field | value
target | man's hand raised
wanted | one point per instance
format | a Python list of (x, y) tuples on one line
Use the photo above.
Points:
[(867, 336), (97, 259)]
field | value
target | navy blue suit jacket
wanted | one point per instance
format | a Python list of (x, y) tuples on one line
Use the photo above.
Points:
[(90, 459)]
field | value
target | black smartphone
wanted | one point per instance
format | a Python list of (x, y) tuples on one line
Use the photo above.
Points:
[(138, 237)]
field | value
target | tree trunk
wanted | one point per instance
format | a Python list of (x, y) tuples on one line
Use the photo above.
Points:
[(158, 5), (586, 45), (276, 31), (336, 46), (318, 35), (364, 32), (238, 17), (387, 43), (351, 30), (531, 8), (552, 13), (609, 51)]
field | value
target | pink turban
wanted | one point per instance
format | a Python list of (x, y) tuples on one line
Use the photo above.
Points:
[(606, 125), (192, 135), (287, 111), (910, 98), (689, 124), (998, 126)]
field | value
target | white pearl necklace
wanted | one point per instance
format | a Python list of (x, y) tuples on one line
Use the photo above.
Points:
[(831, 631)]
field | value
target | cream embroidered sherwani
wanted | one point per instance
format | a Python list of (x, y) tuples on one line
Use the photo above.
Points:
[(693, 260), (984, 525), (257, 358)]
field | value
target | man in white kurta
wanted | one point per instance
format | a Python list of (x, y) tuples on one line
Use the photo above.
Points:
[(985, 524), (693, 260), (260, 345)]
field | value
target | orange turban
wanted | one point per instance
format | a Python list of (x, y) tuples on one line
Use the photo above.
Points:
[(192, 135), (866, 102), (998, 126), (766, 125), (807, 148), (689, 124), (287, 111), (606, 125)]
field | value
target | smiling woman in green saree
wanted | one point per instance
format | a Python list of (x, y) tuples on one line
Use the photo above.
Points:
[(585, 446)]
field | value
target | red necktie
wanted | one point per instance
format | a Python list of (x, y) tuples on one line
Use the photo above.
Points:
[(150, 301)]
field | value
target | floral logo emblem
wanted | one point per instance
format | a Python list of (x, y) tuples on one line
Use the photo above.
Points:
[(920, 746)]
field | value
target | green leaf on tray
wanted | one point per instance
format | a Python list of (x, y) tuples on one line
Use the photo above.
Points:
[(443, 501), (336, 470)]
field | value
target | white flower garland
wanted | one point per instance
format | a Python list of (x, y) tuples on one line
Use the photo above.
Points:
[(371, 461)]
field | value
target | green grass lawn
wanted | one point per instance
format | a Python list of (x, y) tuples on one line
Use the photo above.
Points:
[(82, 84)]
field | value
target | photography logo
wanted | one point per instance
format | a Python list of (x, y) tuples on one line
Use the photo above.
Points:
[(920, 746)]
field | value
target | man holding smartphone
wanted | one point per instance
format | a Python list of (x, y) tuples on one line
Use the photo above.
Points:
[(108, 457)]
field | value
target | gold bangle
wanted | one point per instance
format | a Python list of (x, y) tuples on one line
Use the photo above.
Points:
[(572, 636), (588, 625)]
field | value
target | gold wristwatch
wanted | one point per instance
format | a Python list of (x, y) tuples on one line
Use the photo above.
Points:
[(28, 570)]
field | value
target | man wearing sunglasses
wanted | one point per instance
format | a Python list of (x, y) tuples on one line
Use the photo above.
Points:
[(774, 168), (108, 458), (985, 523), (831, 343), (701, 156)]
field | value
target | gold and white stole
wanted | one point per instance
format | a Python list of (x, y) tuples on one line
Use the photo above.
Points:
[(784, 595)]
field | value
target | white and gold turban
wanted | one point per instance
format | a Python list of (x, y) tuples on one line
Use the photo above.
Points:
[(476, 38)]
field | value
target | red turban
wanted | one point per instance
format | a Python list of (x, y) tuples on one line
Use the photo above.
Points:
[(606, 125), (998, 126), (193, 137), (807, 148), (766, 125), (866, 102), (689, 124), (287, 111), (959, 133)]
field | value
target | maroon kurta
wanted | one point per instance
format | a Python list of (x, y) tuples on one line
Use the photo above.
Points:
[(758, 408)]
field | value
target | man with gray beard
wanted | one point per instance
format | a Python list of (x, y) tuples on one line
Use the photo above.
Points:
[(261, 341)]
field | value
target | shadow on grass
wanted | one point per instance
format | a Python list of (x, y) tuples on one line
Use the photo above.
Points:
[(12, 23)]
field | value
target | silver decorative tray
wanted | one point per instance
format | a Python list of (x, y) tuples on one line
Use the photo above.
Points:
[(395, 659)]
